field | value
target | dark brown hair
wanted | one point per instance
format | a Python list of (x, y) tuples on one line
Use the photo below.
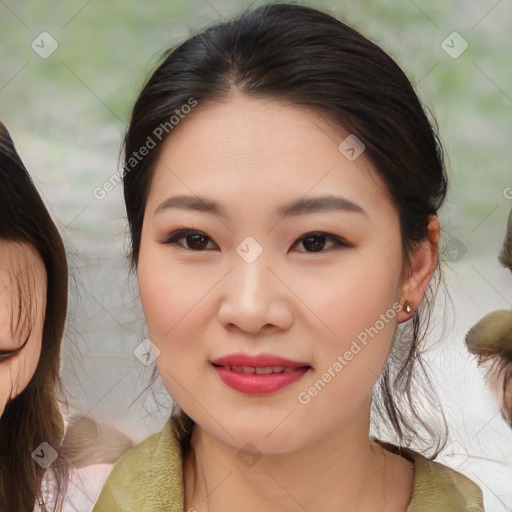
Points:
[(33, 417), (312, 59)]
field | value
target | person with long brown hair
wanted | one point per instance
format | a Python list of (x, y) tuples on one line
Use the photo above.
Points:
[(34, 291), (44, 466)]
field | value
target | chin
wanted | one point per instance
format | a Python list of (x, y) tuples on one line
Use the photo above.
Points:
[(254, 439)]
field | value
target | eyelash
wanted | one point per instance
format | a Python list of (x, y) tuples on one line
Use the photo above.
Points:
[(179, 234), (5, 355)]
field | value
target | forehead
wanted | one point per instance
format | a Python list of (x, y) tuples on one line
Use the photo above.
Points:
[(21, 271), (264, 151)]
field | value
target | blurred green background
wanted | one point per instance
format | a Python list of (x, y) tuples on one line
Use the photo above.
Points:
[(75, 103), (67, 113)]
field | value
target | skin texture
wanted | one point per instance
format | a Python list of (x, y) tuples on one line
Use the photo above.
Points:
[(253, 156), (20, 263)]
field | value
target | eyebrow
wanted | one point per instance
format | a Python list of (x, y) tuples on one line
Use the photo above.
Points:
[(301, 206)]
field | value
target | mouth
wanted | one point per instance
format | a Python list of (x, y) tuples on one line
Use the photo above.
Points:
[(267, 375), (259, 361), (261, 370)]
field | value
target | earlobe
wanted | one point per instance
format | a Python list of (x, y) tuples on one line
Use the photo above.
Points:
[(422, 268)]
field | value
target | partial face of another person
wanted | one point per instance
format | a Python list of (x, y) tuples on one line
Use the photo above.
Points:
[(22, 311), (307, 284)]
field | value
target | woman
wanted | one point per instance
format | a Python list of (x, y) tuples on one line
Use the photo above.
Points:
[(33, 311), (279, 131), (38, 466)]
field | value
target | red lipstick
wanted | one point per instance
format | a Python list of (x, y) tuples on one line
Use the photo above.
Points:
[(260, 374)]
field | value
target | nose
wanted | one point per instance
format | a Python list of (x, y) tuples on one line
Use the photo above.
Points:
[(254, 298)]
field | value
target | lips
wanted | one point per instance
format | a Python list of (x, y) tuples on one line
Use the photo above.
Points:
[(258, 361), (266, 370), (261, 374)]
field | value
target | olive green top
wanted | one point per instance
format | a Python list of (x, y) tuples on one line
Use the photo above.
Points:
[(149, 478)]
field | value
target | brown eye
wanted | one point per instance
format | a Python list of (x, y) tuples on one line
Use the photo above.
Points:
[(316, 241), (196, 240)]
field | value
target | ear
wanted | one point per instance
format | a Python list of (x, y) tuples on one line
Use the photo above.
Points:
[(422, 267)]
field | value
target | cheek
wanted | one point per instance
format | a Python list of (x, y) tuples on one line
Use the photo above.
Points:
[(169, 296), (23, 370), (175, 309), (355, 299), (172, 320), (359, 317), (15, 374)]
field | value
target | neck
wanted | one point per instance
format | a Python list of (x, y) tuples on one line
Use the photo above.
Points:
[(356, 475)]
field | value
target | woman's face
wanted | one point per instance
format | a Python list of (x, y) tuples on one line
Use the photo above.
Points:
[(247, 280), (22, 310)]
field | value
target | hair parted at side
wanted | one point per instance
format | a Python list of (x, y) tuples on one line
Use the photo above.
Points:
[(310, 58)]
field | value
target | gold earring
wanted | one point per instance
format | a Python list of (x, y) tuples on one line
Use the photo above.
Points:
[(408, 306)]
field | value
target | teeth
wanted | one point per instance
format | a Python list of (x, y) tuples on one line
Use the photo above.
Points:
[(263, 371), (260, 371)]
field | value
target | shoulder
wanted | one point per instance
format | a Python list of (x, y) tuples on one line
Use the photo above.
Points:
[(440, 488), (449, 488), (149, 476)]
